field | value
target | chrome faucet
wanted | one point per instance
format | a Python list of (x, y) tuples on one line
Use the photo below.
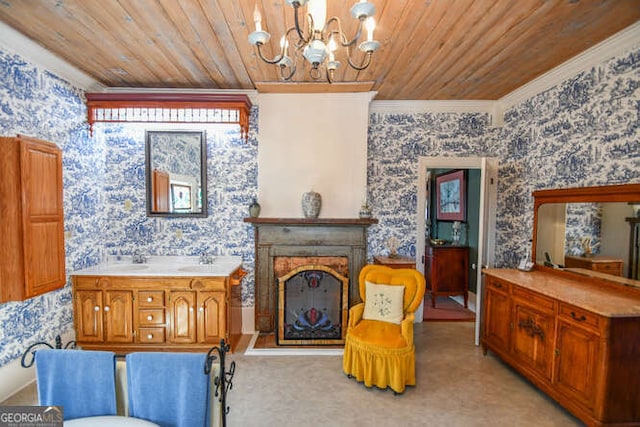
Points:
[(138, 257), (204, 259)]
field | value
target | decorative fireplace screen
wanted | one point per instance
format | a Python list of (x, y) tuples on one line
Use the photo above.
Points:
[(312, 306)]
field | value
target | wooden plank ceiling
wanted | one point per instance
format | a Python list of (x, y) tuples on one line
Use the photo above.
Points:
[(431, 50)]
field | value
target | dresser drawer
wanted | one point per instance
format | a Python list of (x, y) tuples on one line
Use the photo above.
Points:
[(151, 316), (579, 316), (614, 268), (150, 299), (151, 335), (533, 298), (498, 285)]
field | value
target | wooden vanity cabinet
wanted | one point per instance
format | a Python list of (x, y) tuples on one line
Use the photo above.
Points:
[(576, 341), (32, 258), (133, 313)]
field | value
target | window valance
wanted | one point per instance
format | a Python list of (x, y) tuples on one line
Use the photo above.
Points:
[(169, 108)]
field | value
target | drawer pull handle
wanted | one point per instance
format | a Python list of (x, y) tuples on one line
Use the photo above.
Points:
[(579, 319), (149, 317), (96, 308), (201, 309), (150, 299), (106, 308), (150, 336), (190, 309), (498, 285)]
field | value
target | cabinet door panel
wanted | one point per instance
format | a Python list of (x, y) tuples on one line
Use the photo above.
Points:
[(183, 317), (118, 316), (43, 218), (88, 315), (211, 317), (497, 319), (533, 338), (576, 362)]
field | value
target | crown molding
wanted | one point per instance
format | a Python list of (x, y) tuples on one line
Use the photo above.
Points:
[(18, 43), (616, 45), (399, 107), (251, 93)]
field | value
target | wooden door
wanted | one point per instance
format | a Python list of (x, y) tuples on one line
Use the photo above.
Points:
[(43, 218), (576, 362), (497, 317), (212, 316), (88, 316), (118, 316), (182, 317), (533, 337), (160, 195)]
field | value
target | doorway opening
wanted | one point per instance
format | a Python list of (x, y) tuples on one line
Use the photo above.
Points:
[(479, 234)]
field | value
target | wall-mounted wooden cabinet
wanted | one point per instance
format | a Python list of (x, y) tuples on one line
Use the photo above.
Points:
[(32, 259)]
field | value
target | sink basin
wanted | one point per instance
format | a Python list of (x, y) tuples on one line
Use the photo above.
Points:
[(127, 267), (203, 268)]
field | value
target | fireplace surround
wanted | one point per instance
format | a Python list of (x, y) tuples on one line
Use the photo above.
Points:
[(304, 237)]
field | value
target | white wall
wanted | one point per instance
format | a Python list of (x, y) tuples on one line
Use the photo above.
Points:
[(312, 141)]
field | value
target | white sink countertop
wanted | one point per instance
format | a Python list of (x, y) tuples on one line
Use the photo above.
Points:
[(175, 266)]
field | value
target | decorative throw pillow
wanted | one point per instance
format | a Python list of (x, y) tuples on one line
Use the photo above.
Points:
[(384, 302)]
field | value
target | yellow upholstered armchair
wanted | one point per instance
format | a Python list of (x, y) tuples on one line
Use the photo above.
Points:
[(379, 349)]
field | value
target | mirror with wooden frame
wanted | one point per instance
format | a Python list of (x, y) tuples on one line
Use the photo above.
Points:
[(176, 173), (592, 231)]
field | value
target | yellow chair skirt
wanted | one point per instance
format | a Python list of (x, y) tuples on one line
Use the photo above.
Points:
[(379, 366)]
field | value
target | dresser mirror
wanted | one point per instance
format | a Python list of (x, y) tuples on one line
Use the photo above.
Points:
[(590, 231), (176, 173)]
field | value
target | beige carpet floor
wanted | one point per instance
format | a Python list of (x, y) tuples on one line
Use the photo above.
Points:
[(457, 386)]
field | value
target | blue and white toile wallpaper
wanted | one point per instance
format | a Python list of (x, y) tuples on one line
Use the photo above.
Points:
[(582, 132)]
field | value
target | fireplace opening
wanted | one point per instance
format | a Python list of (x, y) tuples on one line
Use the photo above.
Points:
[(312, 306)]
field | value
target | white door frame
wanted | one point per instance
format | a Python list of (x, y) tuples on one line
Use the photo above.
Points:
[(487, 216)]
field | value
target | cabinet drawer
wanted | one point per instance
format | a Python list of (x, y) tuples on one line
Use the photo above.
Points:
[(579, 316), (151, 299), (608, 268), (534, 299), (151, 335), (498, 285), (151, 316)]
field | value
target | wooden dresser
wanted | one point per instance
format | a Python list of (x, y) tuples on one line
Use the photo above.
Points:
[(446, 269), (603, 264), (577, 340)]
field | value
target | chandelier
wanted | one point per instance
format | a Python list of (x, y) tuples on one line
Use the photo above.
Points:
[(318, 40)]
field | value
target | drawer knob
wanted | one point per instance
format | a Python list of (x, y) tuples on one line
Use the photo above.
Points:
[(149, 317), (579, 319), (190, 309), (150, 336), (106, 308), (150, 299), (96, 308), (201, 309)]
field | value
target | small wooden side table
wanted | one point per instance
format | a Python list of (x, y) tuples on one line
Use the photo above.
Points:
[(395, 262)]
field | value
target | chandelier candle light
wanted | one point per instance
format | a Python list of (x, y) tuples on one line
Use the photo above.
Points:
[(318, 41)]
